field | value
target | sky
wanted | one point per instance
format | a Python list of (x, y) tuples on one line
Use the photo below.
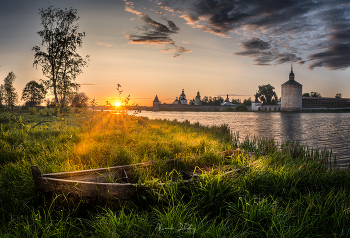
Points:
[(216, 47)]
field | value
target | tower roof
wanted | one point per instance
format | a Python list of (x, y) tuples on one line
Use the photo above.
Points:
[(156, 99), (183, 92), (291, 80), (291, 70), (182, 96)]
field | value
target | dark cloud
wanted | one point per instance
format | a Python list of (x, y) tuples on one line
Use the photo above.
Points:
[(175, 50), (276, 31), (263, 53), (337, 56), (256, 44), (223, 16), (287, 58), (155, 33)]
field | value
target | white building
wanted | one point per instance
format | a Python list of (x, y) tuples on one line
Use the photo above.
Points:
[(182, 98), (291, 94), (197, 100)]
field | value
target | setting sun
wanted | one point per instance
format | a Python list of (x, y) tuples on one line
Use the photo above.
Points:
[(117, 104)]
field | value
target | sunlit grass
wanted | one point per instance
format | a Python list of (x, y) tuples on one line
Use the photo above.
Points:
[(275, 190)]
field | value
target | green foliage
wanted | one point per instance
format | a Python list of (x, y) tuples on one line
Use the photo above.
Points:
[(338, 95), (93, 104), (267, 94), (212, 100), (241, 108), (236, 101), (268, 190), (2, 96), (32, 110), (10, 94), (60, 61), (315, 94), (33, 93), (80, 100), (50, 103), (247, 102)]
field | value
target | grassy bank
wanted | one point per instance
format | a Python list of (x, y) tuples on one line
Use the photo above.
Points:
[(283, 190)]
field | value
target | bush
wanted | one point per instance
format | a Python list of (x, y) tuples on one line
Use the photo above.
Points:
[(241, 108), (32, 110)]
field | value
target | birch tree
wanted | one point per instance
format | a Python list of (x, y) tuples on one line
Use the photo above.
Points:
[(10, 94), (57, 55)]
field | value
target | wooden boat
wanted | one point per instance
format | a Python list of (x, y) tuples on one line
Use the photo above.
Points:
[(104, 183)]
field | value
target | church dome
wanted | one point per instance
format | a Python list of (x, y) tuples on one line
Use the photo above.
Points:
[(182, 96)]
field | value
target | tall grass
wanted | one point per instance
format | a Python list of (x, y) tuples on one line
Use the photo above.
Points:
[(273, 190)]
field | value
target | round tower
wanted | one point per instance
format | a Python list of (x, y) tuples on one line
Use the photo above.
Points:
[(291, 94)]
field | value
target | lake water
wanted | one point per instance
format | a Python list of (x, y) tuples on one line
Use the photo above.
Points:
[(330, 130)]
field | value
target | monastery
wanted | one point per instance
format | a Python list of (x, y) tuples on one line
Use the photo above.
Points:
[(291, 100)]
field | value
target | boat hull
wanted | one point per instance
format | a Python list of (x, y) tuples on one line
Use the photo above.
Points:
[(103, 183)]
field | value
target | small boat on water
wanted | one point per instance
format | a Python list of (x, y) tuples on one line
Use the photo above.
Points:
[(104, 183)]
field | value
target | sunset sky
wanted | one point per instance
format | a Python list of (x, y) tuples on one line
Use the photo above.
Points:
[(217, 47)]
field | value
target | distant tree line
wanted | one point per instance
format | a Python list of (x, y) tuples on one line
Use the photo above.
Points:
[(316, 95), (34, 93), (212, 100), (312, 94)]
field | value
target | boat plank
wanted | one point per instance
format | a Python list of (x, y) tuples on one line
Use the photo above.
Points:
[(92, 183)]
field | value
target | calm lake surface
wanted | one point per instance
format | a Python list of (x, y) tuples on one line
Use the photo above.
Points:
[(330, 130)]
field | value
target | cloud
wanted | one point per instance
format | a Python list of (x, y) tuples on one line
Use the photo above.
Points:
[(104, 44), (275, 31), (264, 54), (129, 7), (336, 57), (155, 33), (175, 50)]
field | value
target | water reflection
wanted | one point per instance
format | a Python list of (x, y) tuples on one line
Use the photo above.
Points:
[(320, 130), (291, 127), (265, 126)]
